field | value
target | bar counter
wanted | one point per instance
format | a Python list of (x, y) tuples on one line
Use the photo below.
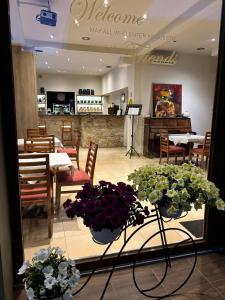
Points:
[(105, 130)]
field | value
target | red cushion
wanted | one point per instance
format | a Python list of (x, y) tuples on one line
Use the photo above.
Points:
[(34, 196), (197, 150), (76, 176), (176, 149), (69, 151)]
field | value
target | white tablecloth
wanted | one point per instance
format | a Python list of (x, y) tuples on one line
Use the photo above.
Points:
[(20, 143), (186, 138), (56, 160)]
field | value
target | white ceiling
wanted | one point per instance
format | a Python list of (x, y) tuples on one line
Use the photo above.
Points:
[(191, 23)]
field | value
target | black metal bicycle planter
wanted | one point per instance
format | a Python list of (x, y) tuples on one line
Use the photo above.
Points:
[(168, 257)]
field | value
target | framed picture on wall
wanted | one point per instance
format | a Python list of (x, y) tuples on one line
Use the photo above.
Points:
[(167, 99)]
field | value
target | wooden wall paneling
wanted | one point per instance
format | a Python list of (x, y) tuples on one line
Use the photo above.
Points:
[(24, 69)]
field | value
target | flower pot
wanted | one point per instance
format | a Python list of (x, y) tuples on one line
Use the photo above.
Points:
[(106, 235), (63, 297), (164, 212)]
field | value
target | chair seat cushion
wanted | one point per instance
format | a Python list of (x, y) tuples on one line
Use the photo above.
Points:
[(69, 151), (197, 150), (78, 176), (176, 149), (41, 195)]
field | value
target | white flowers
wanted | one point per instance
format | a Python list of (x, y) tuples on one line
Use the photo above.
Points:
[(48, 271), (49, 282), (49, 274), (24, 267), (42, 255)]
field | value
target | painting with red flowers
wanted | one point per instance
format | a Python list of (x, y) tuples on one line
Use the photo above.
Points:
[(167, 99)]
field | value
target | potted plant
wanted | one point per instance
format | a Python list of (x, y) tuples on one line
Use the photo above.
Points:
[(50, 275), (106, 208), (175, 188)]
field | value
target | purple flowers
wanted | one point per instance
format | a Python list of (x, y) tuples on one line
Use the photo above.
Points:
[(107, 205)]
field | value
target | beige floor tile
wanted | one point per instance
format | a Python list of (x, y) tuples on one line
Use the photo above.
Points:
[(112, 165)]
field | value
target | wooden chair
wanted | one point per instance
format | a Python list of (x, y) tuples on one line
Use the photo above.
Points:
[(43, 144), (35, 183), (203, 151), (66, 131), (35, 132), (42, 126), (73, 152), (78, 177), (165, 147)]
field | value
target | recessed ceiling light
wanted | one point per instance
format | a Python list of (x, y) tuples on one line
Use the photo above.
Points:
[(125, 36), (200, 48), (86, 38), (52, 36), (100, 59), (145, 16), (68, 59), (213, 40), (106, 3), (76, 22), (108, 67), (57, 52), (46, 62)]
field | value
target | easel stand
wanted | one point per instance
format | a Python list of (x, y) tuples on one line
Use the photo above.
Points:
[(132, 150)]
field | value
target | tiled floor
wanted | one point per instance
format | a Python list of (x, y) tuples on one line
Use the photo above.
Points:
[(207, 281), (71, 235)]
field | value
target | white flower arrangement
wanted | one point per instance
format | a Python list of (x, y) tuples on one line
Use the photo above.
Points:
[(49, 274), (176, 187)]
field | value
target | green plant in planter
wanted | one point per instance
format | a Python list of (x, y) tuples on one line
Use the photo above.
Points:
[(175, 187)]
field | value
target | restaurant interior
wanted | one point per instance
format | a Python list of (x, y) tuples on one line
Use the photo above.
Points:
[(110, 87)]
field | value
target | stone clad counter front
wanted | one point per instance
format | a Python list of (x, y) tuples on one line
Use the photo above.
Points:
[(105, 130)]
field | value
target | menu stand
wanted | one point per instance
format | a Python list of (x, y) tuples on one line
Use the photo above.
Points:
[(133, 110)]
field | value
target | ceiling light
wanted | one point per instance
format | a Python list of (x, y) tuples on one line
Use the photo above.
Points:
[(52, 36), (100, 59), (46, 62), (200, 48), (76, 22), (145, 16), (213, 40), (57, 52), (106, 3), (125, 36), (68, 59), (86, 38)]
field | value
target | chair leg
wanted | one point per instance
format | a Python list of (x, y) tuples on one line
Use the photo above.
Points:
[(175, 158), (50, 225), (184, 155), (57, 197), (160, 157), (167, 160), (78, 165)]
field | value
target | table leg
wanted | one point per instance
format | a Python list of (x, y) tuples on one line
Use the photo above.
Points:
[(191, 145)]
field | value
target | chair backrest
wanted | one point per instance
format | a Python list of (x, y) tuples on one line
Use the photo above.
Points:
[(67, 125), (164, 140), (34, 178), (41, 144), (35, 132), (42, 126), (77, 139), (207, 143), (91, 160)]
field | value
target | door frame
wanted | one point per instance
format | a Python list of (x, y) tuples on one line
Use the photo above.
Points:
[(214, 219)]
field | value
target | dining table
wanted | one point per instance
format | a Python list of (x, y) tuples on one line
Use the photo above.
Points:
[(20, 144), (187, 138)]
